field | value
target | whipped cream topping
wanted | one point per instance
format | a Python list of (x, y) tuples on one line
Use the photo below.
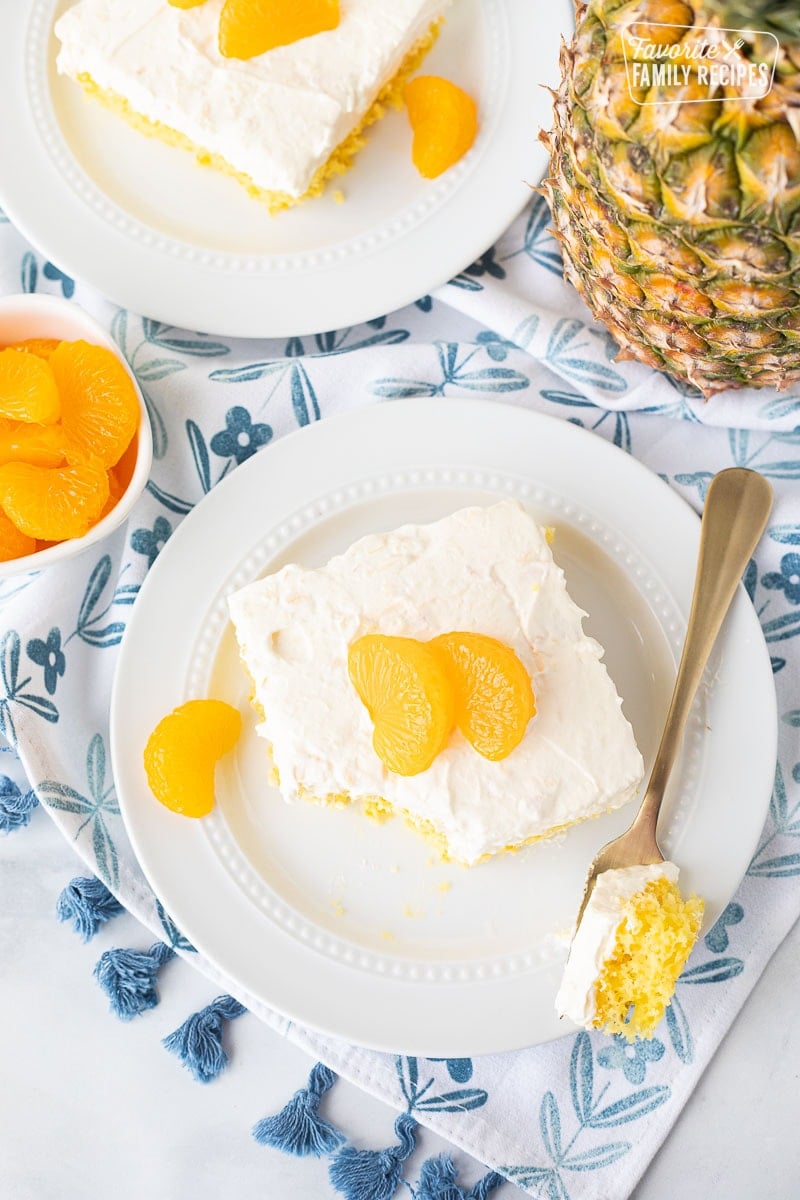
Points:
[(485, 570), (595, 937), (277, 117)]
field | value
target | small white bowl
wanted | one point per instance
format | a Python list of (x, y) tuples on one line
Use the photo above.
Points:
[(32, 316)]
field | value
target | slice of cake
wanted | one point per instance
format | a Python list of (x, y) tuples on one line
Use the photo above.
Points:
[(633, 941), (283, 122), (486, 570)]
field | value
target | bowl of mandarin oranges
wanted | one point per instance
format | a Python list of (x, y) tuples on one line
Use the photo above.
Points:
[(75, 441)]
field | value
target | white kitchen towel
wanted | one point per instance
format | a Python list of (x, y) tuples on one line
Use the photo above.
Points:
[(580, 1117)]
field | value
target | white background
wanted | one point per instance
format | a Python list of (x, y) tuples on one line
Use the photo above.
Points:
[(91, 1106)]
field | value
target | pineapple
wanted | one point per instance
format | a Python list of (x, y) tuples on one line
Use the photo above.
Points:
[(680, 221)]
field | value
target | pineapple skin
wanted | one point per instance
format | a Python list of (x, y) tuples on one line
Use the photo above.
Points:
[(680, 223)]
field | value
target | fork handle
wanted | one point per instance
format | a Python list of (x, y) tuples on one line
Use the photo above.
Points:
[(736, 512)]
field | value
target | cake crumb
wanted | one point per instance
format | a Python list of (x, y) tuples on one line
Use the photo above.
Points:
[(337, 894), (338, 196), (387, 934), (378, 810), (412, 913), (444, 886)]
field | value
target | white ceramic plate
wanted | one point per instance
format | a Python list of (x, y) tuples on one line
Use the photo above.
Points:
[(352, 927), (163, 236)]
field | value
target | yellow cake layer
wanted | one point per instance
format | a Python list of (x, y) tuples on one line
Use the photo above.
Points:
[(341, 160), (651, 947), (377, 808)]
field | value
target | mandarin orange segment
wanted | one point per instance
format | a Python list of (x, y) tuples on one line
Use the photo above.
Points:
[(124, 469), (42, 347), (23, 441), (13, 543), (493, 695), (248, 28), (53, 503), (183, 750), (115, 490), (444, 120), (99, 408), (28, 390), (404, 686), (186, 3)]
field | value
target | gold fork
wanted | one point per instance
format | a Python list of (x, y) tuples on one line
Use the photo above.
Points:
[(736, 512)]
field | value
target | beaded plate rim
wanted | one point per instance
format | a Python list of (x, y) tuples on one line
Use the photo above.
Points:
[(330, 276), (89, 193), (276, 540)]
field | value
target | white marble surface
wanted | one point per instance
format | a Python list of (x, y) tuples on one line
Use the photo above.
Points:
[(90, 1105)]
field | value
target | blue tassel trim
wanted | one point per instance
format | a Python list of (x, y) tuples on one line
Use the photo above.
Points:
[(360, 1174), (87, 902), (485, 1186), (16, 807), (198, 1042), (437, 1181), (128, 977), (374, 1174), (298, 1128)]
